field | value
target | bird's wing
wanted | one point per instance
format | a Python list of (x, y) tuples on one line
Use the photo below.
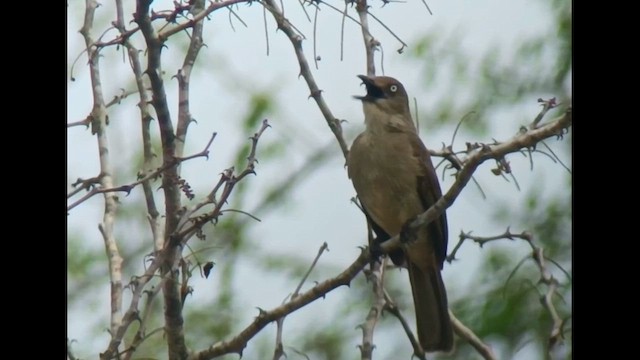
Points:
[(429, 192)]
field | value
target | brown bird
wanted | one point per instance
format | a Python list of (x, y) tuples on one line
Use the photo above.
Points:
[(394, 178)]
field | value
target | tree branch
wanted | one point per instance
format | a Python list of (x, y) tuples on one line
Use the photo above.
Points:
[(483, 153), (229, 181), (145, 117), (370, 43), (279, 350), (145, 180), (99, 122), (375, 276), (305, 71), (537, 254), (174, 323), (184, 75), (239, 342), (395, 311), (464, 332)]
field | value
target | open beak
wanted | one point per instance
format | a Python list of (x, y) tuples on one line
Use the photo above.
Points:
[(373, 91)]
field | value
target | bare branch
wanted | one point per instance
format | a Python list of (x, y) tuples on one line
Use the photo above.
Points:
[(99, 122), (370, 43), (239, 342), (128, 187), (537, 254), (86, 122), (213, 6), (229, 181), (184, 77), (427, 5), (279, 351), (174, 323), (137, 285), (404, 45), (141, 335), (391, 307), (464, 332), (145, 117), (305, 71), (546, 106), (375, 276)]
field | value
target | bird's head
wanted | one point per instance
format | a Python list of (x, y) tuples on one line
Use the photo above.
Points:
[(384, 95)]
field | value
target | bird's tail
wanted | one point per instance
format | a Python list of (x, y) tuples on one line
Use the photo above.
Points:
[(432, 313)]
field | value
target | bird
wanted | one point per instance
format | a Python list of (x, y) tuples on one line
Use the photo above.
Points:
[(394, 178)]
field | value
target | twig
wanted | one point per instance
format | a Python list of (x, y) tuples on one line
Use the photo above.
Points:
[(184, 77), (546, 106), (145, 117), (464, 332), (481, 240), (238, 343), (213, 6), (301, 2), (375, 276), (229, 180), (554, 156), (315, 37), (231, 12), (316, 94), (266, 31), (391, 307), (404, 45), (279, 350), (427, 5), (137, 285), (128, 187), (86, 122), (141, 334), (370, 44), (537, 254)]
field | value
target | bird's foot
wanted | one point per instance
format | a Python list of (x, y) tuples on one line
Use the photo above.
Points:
[(407, 234), (376, 251)]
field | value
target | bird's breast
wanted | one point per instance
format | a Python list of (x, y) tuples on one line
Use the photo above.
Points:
[(384, 176)]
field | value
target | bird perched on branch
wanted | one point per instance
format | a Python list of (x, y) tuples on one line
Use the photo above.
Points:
[(394, 178)]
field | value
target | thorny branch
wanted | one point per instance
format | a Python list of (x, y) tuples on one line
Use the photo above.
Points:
[(239, 342), (370, 43), (305, 71), (464, 332), (144, 107), (229, 180), (279, 349), (375, 275), (546, 277), (391, 307), (184, 77), (171, 18), (99, 122), (89, 183)]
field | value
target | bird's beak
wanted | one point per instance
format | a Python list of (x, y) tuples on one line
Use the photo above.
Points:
[(373, 91)]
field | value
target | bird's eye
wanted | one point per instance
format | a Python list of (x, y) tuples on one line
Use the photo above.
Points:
[(393, 88)]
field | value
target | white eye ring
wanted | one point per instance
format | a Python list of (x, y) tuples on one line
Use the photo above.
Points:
[(393, 88)]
